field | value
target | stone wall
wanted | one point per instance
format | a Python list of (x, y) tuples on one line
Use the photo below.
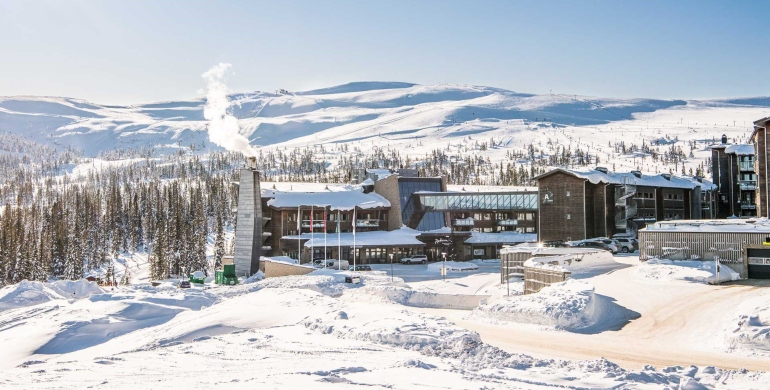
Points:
[(273, 269), (248, 233), (388, 189)]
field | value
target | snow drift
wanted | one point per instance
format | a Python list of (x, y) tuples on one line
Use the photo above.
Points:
[(572, 305), (663, 270), (28, 293), (408, 297)]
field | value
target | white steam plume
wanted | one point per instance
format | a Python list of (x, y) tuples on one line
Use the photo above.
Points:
[(223, 127)]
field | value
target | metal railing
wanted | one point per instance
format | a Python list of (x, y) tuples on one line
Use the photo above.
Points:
[(367, 223), (463, 222), (747, 185)]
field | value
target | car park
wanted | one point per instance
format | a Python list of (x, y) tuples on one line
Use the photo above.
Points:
[(416, 259), (627, 244), (555, 244), (593, 244)]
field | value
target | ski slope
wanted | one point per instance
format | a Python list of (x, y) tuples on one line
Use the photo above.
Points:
[(411, 119)]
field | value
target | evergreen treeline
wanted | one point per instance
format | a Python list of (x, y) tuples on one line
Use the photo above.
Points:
[(56, 222), (69, 225)]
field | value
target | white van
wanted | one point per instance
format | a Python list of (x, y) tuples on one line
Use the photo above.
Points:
[(337, 264)]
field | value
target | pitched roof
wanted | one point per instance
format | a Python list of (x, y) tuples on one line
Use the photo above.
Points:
[(596, 177)]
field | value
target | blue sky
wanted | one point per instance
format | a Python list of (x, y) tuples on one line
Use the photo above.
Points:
[(138, 51)]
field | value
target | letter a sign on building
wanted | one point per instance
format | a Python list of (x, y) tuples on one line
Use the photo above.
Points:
[(547, 197)]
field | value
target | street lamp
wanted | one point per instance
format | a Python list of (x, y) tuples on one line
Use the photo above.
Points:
[(443, 269), (391, 267)]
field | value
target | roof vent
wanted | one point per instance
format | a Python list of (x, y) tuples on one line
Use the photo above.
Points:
[(724, 139), (602, 170), (666, 176), (637, 174)]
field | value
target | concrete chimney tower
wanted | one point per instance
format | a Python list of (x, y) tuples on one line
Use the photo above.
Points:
[(248, 232)]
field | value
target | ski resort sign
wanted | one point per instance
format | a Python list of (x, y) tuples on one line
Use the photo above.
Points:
[(547, 196)]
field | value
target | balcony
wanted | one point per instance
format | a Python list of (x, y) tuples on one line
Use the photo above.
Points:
[(463, 222), (747, 185), (316, 225), (746, 166), (507, 222), (368, 223)]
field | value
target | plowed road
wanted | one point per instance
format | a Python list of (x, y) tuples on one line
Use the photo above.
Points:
[(680, 324)]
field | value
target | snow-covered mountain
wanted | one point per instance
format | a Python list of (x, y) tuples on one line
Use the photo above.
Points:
[(411, 118)]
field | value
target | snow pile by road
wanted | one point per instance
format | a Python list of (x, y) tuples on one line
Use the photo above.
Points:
[(572, 305), (464, 351), (409, 297), (326, 281), (753, 332), (452, 266), (662, 270), (748, 331), (28, 293)]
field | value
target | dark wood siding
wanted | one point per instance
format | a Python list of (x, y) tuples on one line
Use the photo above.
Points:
[(554, 224)]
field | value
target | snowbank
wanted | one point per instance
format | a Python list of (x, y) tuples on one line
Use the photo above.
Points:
[(577, 263), (254, 278), (752, 333), (409, 297), (748, 329), (27, 293), (571, 305), (662, 270), (452, 266), (280, 259)]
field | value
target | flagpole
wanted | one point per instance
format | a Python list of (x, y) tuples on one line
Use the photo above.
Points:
[(339, 243), (355, 250), (299, 235), (312, 230), (325, 236)]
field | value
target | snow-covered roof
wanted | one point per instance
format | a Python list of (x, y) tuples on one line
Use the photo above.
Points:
[(752, 225), (334, 200), (596, 177), (479, 188), (401, 237), (500, 238), (740, 149), (381, 173)]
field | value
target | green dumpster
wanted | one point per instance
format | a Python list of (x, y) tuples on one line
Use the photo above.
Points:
[(226, 275)]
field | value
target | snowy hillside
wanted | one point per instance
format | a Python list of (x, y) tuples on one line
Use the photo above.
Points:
[(413, 119)]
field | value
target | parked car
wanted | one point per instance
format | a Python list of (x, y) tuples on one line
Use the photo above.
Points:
[(319, 263), (627, 245), (416, 259), (593, 244), (555, 244), (330, 263), (185, 284), (360, 268), (611, 243), (614, 245)]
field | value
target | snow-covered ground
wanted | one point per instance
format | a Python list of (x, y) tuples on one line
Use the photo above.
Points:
[(316, 331), (413, 120)]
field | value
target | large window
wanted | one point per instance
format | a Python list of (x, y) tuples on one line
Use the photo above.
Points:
[(374, 255), (407, 187)]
